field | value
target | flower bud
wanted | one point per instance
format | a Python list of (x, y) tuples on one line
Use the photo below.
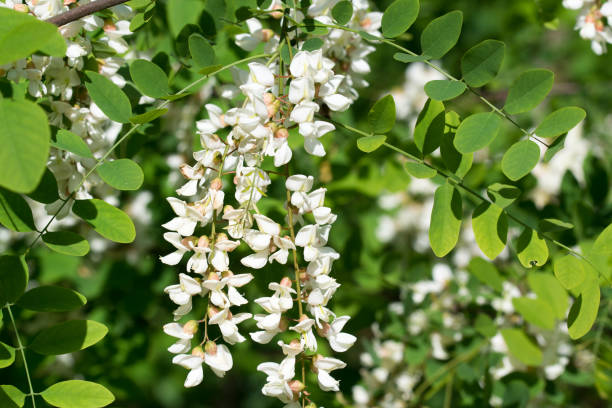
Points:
[(283, 325), (109, 25), (221, 237), (197, 351), (269, 98), (210, 347), (189, 242), (296, 386), (212, 311), (286, 282), (191, 327), (213, 276), (277, 14), (203, 242), (311, 405), (22, 8), (273, 108), (281, 133), (323, 331), (266, 34), (216, 184)]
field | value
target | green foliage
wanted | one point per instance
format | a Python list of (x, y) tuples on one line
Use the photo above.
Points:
[(477, 131), (106, 220), (7, 355), (47, 191), (429, 127), (408, 58), (520, 159), (122, 174), (535, 311), (481, 63), (441, 34), (77, 394), (150, 79), (603, 243), (66, 242), (51, 299), (528, 90), (553, 225), (521, 347), (14, 275), (15, 213), (382, 115), (560, 121), (11, 397), (446, 218), (486, 273), (201, 51), (443, 90), (109, 97), (503, 195), (419, 170), (342, 12), (68, 337), (23, 159), (548, 289), (66, 140), (399, 16), (148, 116), (490, 226), (569, 271), (531, 248), (368, 144), (583, 312)]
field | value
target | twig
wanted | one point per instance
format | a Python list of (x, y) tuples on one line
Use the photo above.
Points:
[(82, 11)]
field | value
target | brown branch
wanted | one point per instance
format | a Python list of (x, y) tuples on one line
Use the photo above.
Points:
[(82, 11)]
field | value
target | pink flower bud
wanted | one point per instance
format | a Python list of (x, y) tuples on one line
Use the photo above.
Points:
[(203, 242), (266, 34), (211, 348), (281, 133), (286, 282), (296, 386), (191, 327), (213, 276), (197, 351), (22, 8), (216, 184), (269, 98)]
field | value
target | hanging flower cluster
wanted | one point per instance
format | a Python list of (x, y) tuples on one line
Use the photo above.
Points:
[(60, 82), (593, 22), (278, 100)]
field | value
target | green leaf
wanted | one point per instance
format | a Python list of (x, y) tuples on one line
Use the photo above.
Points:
[(382, 115), (457, 163), (370, 143), (343, 12), (477, 131), (445, 219), (486, 273), (419, 170), (407, 58), (312, 44), (441, 34), (15, 213), (66, 242), (521, 347), (503, 194), (485, 326), (528, 90), (77, 394), (13, 278), (481, 63), (68, 337), (11, 397), (490, 226), (548, 289), (553, 225), (560, 121), (399, 16), (204, 71), (443, 90), (51, 299), (108, 221), (429, 127), (201, 51), (72, 143), (535, 311), (46, 192), (569, 271), (603, 243), (109, 97), (520, 159), (149, 116), (531, 249), (583, 313), (150, 79), (7, 355), (554, 148), (22, 34), (122, 174), (24, 137), (181, 13)]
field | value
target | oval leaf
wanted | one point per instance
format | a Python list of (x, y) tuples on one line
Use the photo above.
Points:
[(72, 143), (535, 311), (553, 225), (477, 131), (68, 337), (419, 170), (429, 127), (583, 313), (51, 299), (503, 194), (521, 347), (490, 226), (201, 51), (24, 137), (77, 394), (342, 12), (441, 34), (150, 79), (399, 16), (11, 397), (569, 271), (549, 290), (122, 174), (15, 213), (13, 278), (603, 243), (481, 63), (486, 272), (560, 121), (149, 116), (66, 242), (528, 90), (108, 221), (520, 159), (531, 249), (109, 97), (443, 90), (370, 143), (382, 115), (7, 355), (445, 219)]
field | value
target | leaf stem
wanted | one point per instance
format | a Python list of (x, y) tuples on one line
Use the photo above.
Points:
[(23, 357)]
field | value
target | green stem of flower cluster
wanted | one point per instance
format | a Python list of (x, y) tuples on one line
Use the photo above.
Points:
[(23, 357)]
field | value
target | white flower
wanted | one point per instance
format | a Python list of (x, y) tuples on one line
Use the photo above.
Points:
[(194, 364), (325, 365), (278, 379), (181, 294), (312, 131), (187, 217), (180, 245), (339, 341), (307, 337), (219, 359), (264, 241)]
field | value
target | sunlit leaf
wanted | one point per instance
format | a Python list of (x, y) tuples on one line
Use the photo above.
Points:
[(51, 299), (66, 242), (520, 159), (521, 347), (446, 218), (122, 174), (77, 394), (531, 249), (382, 115), (441, 34), (399, 16), (109, 97), (490, 226), (68, 337), (560, 121), (13, 278), (477, 131), (481, 63), (149, 78), (108, 221), (443, 90), (528, 90)]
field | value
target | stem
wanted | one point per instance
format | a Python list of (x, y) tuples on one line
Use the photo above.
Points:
[(82, 11), (21, 350)]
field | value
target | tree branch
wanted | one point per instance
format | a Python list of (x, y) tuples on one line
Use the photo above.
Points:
[(82, 11)]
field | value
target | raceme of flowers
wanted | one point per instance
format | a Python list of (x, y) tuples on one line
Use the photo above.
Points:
[(593, 22), (209, 225)]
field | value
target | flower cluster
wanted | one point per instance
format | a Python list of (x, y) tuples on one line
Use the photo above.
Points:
[(593, 22), (60, 82)]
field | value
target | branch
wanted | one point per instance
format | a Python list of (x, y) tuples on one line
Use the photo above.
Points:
[(82, 11)]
